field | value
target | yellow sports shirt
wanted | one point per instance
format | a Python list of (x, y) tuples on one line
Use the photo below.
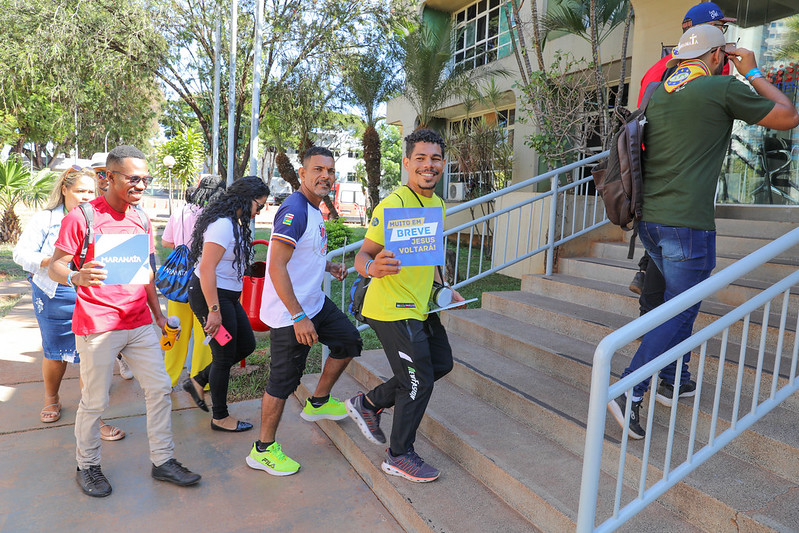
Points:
[(407, 294)]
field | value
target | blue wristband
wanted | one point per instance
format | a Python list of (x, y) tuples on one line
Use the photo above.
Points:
[(755, 72), (366, 268), (297, 319)]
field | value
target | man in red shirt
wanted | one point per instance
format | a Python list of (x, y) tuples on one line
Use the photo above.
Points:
[(110, 319)]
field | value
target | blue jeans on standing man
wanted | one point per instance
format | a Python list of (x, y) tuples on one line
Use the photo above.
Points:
[(686, 257)]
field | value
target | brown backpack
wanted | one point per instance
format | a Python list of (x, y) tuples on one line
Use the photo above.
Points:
[(620, 179)]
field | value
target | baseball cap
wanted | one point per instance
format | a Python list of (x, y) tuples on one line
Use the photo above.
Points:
[(696, 41), (706, 12), (98, 160)]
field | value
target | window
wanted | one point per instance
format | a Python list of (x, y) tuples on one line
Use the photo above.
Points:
[(482, 33), (480, 182), (351, 176)]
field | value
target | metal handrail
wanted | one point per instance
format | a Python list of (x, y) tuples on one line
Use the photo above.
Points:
[(603, 392), (555, 191)]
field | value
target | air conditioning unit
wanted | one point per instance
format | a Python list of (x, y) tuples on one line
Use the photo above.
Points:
[(456, 192)]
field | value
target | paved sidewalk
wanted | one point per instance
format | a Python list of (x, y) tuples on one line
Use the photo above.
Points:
[(38, 491)]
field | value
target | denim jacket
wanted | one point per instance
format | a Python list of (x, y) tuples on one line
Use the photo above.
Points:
[(38, 242)]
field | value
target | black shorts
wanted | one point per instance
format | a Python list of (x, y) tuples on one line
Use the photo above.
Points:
[(287, 362)]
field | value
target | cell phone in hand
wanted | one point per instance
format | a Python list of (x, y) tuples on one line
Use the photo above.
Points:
[(222, 336)]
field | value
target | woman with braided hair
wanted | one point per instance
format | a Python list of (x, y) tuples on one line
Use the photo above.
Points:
[(222, 242)]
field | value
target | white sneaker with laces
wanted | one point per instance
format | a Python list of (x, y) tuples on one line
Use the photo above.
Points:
[(124, 369)]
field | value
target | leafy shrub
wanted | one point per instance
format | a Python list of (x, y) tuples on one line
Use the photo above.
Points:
[(337, 234)]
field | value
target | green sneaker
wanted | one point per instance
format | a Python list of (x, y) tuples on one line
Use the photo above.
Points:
[(273, 461), (332, 409)]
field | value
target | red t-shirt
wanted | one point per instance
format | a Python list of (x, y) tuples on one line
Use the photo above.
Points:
[(107, 307), (655, 73)]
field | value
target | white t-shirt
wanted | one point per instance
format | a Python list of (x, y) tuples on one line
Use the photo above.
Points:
[(299, 224), (220, 232)]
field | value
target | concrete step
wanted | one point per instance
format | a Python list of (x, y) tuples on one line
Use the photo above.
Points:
[(760, 229), (620, 272), (552, 465), (560, 408), (770, 272), (749, 213), (454, 502), (516, 462), (563, 345), (620, 300)]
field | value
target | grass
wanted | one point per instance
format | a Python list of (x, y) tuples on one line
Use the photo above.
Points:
[(7, 303), (253, 385), (9, 270)]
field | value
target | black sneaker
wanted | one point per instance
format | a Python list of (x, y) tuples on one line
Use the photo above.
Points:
[(93, 482), (637, 284), (665, 392), (616, 408), (368, 421), (176, 473)]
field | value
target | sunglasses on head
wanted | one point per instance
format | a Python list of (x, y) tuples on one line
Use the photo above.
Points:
[(134, 180)]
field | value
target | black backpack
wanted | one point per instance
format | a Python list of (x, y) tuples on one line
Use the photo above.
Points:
[(620, 179)]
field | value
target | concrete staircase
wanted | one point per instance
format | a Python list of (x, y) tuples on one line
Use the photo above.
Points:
[(507, 426)]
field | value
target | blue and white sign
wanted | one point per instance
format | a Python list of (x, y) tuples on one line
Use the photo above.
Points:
[(126, 258), (415, 235)]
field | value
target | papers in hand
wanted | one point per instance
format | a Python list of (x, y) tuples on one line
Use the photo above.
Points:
[(451, 306)]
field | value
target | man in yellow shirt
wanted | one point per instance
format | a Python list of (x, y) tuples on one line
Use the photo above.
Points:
[(396, 307)]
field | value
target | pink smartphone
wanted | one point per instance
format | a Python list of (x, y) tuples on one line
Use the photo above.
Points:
[(222, 336)]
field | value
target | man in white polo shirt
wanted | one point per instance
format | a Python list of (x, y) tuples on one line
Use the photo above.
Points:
[(299, 314)]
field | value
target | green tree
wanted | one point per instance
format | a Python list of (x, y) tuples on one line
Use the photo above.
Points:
[(370, 81), (790, 41), (188, 149), (17, 184), (431, 77), (298, 35), (592, 21), (55, 60), (391, 161)]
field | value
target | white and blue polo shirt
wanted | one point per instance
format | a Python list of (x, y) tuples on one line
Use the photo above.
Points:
[(299, 224)]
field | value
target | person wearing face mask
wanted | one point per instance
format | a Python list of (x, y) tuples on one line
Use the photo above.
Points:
[(110, 319), (689, 124), (54, 303)]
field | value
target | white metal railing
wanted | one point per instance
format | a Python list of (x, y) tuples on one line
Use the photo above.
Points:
[(759, 387), (571, 212)]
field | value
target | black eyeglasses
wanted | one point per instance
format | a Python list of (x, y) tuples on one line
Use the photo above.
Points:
[(722, 27), (134, 180), (260, 205)]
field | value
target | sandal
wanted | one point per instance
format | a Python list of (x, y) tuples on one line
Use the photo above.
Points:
[(114, 434), (49, 416)]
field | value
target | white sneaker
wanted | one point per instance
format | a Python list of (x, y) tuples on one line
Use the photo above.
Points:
[(124, 369)]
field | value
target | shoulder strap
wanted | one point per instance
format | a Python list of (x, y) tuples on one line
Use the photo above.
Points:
[(88, 214), (145, 220), (650, 89)]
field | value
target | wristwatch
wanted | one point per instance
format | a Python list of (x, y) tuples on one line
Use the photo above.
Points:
[(214, 308)]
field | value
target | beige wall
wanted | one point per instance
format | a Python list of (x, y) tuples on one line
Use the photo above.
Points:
[(519, 222), (656, 22)]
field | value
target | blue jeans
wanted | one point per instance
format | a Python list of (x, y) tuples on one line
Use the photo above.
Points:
[(686, 257)]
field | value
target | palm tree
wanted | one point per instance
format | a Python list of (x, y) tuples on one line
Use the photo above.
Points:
[(371, 80), (430, 75), (790, 47), (17, 184), (574, 17)]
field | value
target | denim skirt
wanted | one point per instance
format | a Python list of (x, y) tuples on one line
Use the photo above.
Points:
[(55, 322)]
